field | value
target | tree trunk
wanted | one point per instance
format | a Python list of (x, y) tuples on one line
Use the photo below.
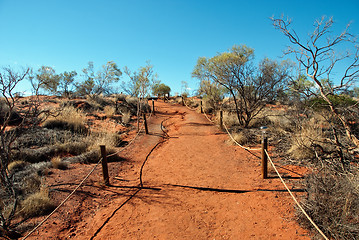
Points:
[(237, 110)]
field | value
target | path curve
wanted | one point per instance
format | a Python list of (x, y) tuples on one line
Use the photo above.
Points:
[(209, 190)]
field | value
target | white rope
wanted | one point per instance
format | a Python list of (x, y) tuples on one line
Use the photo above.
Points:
[(247, 148), (295, 200), (207, 117)]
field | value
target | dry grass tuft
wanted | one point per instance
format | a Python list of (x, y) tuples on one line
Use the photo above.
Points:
[(68, 118), (110, 111), (229, 119), (126, 118), (58, 163), (308, 135), (16, 166), (37, 204)]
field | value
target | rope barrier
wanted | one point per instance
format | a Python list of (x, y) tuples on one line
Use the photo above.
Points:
[(207, 117), (295, 200), (65, 200), (246, 148), (80, 184)]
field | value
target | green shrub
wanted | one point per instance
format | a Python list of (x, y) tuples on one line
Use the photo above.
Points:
[(337, 100)]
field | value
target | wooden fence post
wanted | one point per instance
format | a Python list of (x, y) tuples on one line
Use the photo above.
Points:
[(221, 119), (145, 122), (201, 107), (182, 101), (105, 175), (264, 157), (153, 107)]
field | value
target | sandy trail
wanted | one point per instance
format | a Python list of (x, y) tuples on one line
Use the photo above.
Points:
[(209, 190), (197, 186)]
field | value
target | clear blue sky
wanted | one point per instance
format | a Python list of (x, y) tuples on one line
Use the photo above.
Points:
[(172, 34)]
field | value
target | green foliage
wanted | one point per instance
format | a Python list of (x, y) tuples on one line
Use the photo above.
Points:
[(339, 101), (100, 82), (250, 87), (141, 81), (67, 80), (47, 79), (161, 89)]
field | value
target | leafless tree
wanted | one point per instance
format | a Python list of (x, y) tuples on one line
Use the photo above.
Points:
[(9, 79), (320, 56)]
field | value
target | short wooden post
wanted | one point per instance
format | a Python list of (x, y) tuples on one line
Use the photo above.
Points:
[(201, 107), (153, 107), (145, 122), (182, 101), (221, 119), (105, 175), (264, 157)]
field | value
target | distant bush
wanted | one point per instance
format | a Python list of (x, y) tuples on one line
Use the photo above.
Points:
[(337, 100), (99, 100)]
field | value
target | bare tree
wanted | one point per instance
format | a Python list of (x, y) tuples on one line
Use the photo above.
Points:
[(320, 56), (9, 79), (140, 84)]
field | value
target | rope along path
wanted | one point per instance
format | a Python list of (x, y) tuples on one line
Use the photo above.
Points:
[(80, 184), (246, 148), (280, 177), (295, 200)]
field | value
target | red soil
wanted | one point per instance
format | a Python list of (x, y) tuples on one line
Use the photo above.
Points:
[(196, 186)]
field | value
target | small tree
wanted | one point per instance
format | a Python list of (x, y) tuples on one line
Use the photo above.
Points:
[(67, 80), (212, 92), (100, 82), (319, 57), (140, 84), (47, 79), (251, 88), (161, 89)]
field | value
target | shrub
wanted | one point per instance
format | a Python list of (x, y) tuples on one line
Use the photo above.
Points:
[(332, 201), (244, 137), (121, 97), (68, 118), (109, 111), (229, 119), (310, 134), (337, 100), (132, 100), (37, 204), (126, 118), (98, 100)]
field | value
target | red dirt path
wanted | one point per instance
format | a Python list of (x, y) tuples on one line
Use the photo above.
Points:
[(196, 187)]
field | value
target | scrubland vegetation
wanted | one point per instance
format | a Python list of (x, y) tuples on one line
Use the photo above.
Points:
[(41, 133), (312, 116), (312, 121)]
